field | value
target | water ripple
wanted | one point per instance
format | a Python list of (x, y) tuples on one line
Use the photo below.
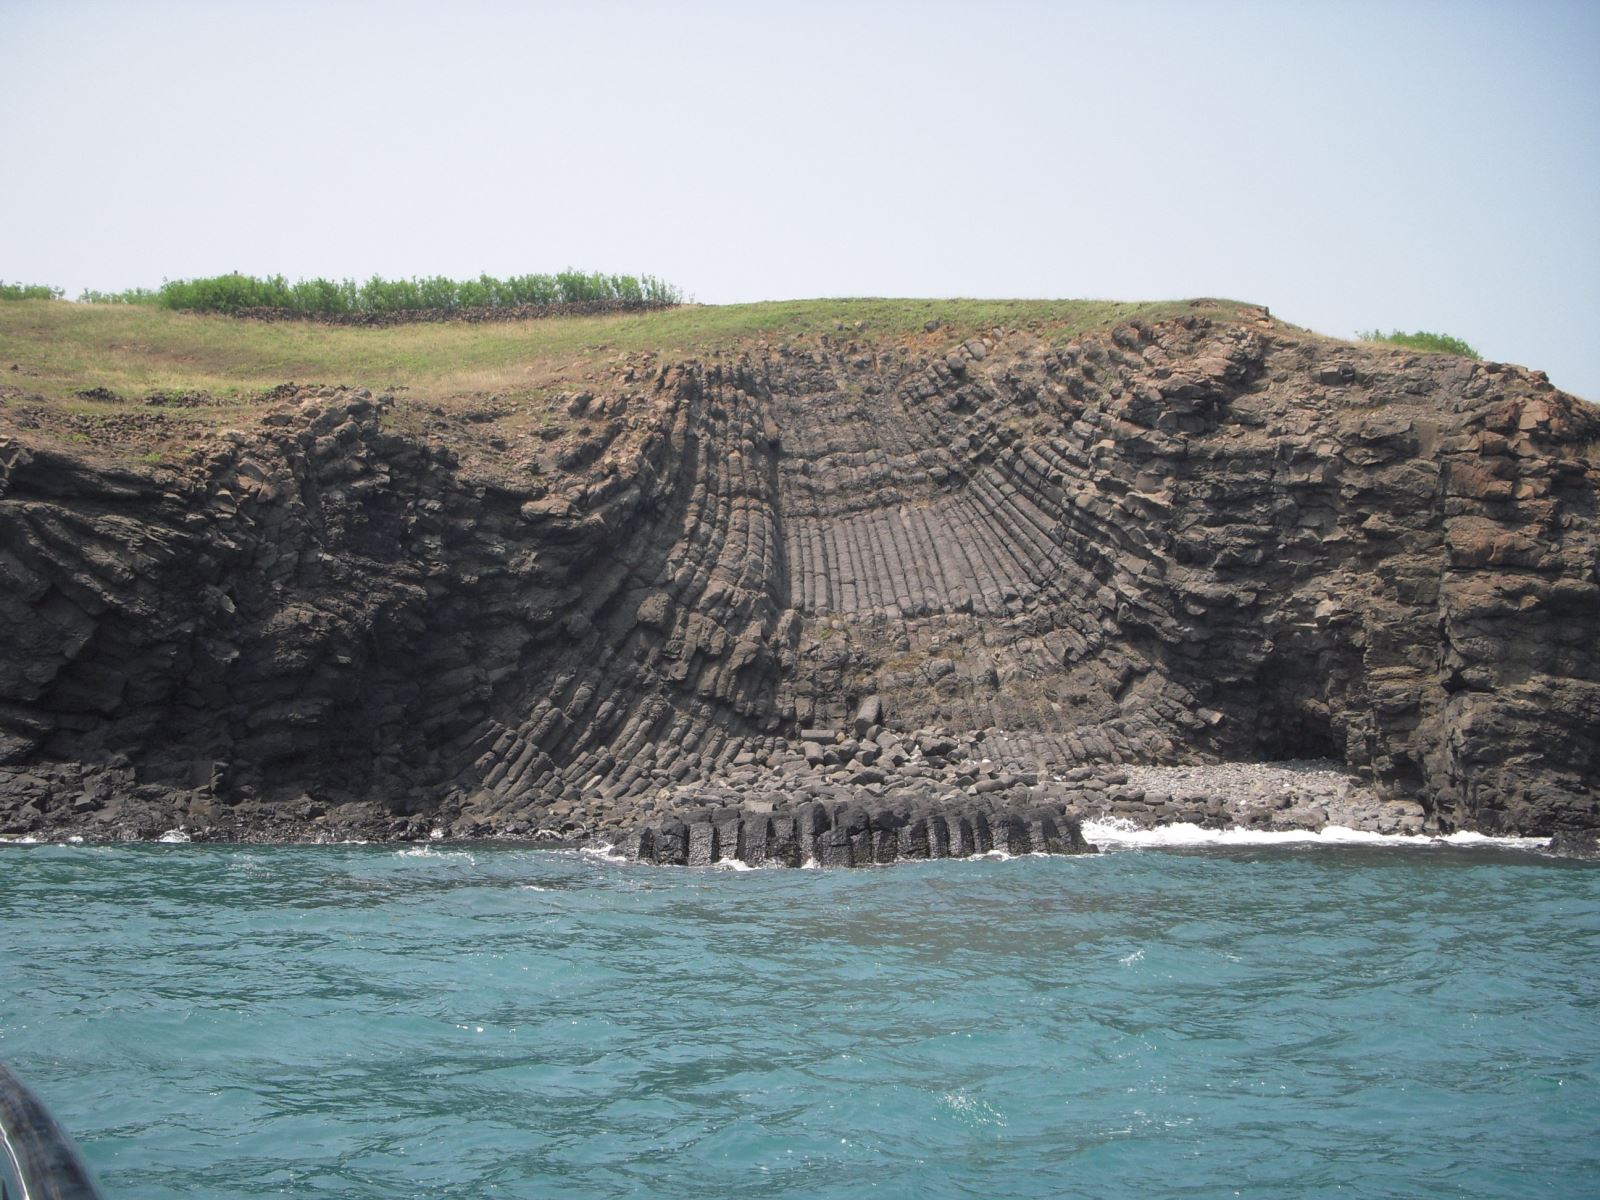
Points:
[(1255, 1020)]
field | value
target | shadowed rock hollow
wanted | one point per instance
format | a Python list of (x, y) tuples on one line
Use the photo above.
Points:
[(1041, 566)]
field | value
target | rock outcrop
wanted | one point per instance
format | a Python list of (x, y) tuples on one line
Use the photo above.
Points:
[(919, 578)]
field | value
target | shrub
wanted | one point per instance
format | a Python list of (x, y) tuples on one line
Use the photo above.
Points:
[(226, 293), (533, 289), (1433, 343), (438, 292), (28, 291), (323, 296)]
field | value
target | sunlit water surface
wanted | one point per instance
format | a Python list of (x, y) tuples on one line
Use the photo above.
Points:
[(1256, 1020)]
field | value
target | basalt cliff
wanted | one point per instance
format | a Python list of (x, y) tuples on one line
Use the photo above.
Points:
[(848, 598)]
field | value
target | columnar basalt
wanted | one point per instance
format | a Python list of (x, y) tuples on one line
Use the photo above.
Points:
[(850, 835), (1194, 542)]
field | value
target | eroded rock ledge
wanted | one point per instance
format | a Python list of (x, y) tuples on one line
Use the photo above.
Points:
[(1193, 543)]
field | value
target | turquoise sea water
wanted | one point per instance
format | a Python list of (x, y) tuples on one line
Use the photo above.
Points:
[(372, 1022)]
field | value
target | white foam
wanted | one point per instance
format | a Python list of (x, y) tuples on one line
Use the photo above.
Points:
[(1122, 834), (1469, 838), (609, 854), (430, 852), (174, 836)]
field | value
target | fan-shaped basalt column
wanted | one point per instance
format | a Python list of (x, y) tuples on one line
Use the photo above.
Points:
[(974, 548)]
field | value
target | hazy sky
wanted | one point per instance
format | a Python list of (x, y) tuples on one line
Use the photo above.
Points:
[(1420, 165)]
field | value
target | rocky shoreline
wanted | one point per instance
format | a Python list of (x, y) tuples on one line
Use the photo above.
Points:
[(830, 801), (882, 780)]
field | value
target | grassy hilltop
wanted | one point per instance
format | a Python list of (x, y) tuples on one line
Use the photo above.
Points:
[(80, 371), (132, 348)]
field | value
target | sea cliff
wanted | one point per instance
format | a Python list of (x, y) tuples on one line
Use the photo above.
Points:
[(1013, 569)]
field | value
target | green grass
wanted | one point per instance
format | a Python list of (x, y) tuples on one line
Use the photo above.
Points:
[(1432, 343), (233, 293), (135, 349)]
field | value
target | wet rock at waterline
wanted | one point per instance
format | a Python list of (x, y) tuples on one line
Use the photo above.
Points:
[(851, 835)]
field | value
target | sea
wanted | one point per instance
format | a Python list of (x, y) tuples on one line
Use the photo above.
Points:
[(1188, 1014)]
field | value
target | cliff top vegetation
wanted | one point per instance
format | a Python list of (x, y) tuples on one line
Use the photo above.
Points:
[(1432, 343), (235, 293)]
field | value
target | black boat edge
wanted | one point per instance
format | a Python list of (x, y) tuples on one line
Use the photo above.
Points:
[(39, 1161)]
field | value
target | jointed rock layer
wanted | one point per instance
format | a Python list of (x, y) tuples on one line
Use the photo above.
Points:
[(897, 576)]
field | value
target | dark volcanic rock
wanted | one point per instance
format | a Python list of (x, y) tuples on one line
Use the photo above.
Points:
[(854, 836), (1576, 843), (996, 571)]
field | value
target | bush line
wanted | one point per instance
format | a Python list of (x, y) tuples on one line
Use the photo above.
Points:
[(28, 291), (131, 296), (328, 297)]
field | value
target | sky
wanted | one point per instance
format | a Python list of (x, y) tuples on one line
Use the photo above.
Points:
[(1352, 165)]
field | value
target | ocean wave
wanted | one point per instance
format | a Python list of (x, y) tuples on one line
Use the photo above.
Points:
[(1122, 834)]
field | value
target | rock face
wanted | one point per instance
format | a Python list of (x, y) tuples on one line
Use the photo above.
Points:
[(893, 576)]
